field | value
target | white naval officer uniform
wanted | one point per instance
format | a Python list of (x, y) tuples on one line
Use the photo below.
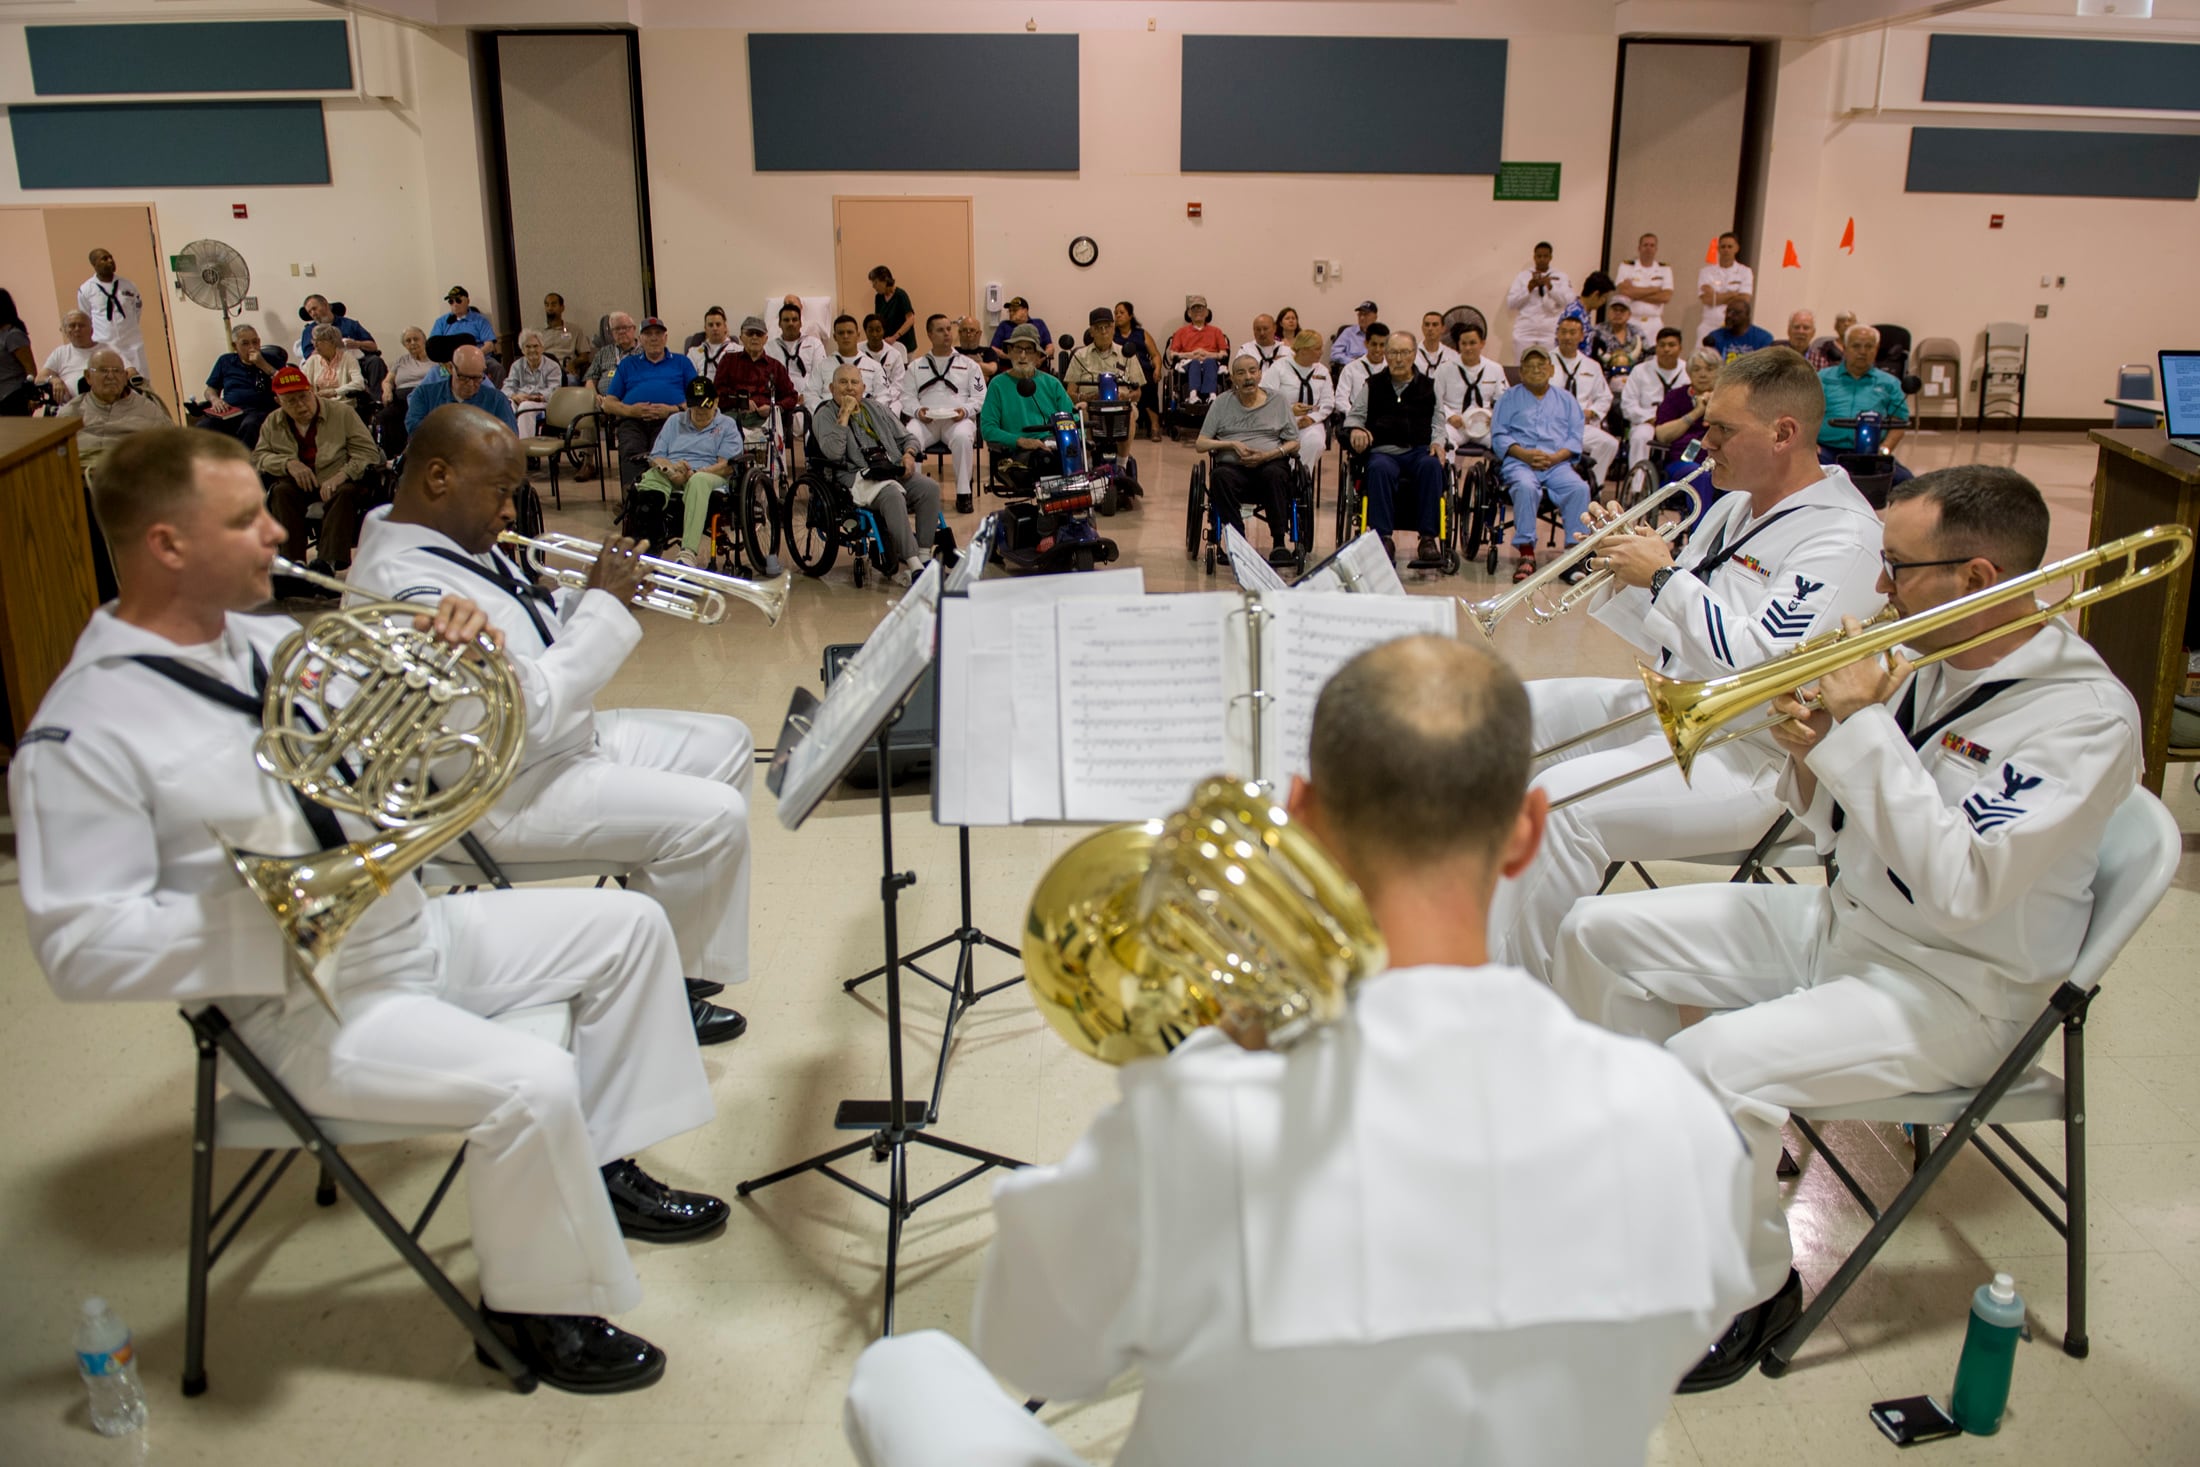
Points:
[(818, 387), (1748, 589), (1583, 379), (1470, 394), (663, 794), (1965, 886), (951, 381), (1645, 389), (1536, 312), (128, 898), (800, 357), (1459, 1225), (117, 311), (1308, 387)]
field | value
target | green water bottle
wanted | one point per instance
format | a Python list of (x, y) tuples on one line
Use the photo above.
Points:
[(1989, 1356)]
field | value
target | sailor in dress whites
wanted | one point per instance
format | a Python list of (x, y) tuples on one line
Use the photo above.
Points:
[(847, 351), (943, 382), (796, 350), (1459, 1225), (662, 794), (1646, 388), (1302, 380), (1581, 377), (1785, 553), (1964, 807), (144, 745), (1468, 390), (117, 310)]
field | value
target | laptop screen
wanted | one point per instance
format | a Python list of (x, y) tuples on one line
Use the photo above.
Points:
[(2181, 393)]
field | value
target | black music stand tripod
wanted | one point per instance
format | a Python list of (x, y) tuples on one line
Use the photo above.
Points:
[(896, 1123)]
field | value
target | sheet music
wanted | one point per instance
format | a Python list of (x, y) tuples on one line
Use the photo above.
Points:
[(879, 676), (1035, 755), (1252, 569), (1144, 692), (1309, 640), (977, 723), (1362, 566)]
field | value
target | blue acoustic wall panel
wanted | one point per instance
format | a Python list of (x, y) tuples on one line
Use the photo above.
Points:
[(2048, 71), (2078, 165), (1025, 121), (169, 144), (189, 56), (1328, 104)]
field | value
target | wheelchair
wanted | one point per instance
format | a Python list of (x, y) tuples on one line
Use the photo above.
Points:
[(1203, 517), (1047, 523), (1352, 502), (1180, 407), (818, 519)]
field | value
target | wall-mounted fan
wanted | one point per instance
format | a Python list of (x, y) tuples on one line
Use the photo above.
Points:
[(213, 275)]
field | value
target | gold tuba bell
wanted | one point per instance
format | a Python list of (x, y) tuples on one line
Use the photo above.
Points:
[(360, 709), (1225, 913)]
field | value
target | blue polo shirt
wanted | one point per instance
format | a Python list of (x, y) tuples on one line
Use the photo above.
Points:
[(640, 380), (434, 392), (1850, 397), (682, 442), (472, 324)]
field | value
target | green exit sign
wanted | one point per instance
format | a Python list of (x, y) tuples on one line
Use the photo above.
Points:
[(1527, 183)]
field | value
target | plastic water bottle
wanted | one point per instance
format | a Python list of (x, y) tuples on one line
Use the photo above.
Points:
[(1989, 1356), (109, 1367)]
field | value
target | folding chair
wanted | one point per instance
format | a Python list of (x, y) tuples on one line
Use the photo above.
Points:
[(2135, 380), (281, 1124), (1773, 852), (1938, 362), (570, 425), (2004, 355), (2139, 856)]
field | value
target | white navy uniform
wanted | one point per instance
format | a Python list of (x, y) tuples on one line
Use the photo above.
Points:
[(800, 357), (1648, 315), (1471, 394), (663, 794), (1458, 1226), (1646, 387), (1428, 361), (1729, 278), (892, 361), (1748, 589), (1352, 380), (1583, 379), (819, 386), (127, 897), (1309, 387), (1268, 356), (1536, 312), (1965, 885), (707, 357), (951, 381), (117, 312)]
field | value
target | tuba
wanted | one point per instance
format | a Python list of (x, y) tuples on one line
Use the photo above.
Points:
[(1225, 913), (372, 718)]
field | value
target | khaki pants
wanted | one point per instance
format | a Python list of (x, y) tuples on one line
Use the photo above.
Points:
[(694, 503)]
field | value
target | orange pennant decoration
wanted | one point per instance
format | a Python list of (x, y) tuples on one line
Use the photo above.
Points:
[(1848, 237), (1789, 262), (1711, 252)]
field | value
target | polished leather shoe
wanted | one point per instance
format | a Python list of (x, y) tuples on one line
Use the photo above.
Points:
[(714, 1025), (1747, 1339), (703, 988), (576, 1352), (649, 1210)]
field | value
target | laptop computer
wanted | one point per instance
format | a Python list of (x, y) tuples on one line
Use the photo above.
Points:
[(2181, 398)]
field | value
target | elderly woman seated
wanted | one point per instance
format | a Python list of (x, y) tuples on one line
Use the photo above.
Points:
[(1680, 422), (333, 371), (531, 381)]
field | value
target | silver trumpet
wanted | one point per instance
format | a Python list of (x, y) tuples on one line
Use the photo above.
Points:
[(684, 591), (1488, 613)]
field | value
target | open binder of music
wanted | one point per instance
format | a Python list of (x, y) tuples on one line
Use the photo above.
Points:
[(1117, 706), (820, 740), (1361, 566)]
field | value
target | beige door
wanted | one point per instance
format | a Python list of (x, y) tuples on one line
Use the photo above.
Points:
[(925, 242), (70, 232)]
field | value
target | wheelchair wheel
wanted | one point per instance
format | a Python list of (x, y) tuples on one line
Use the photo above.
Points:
[(810, 525), (1195, 516), (1210, 560), (756, 517)]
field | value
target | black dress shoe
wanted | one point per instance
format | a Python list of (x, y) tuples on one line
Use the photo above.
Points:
[(703, 988), (649, 1210), (714, 1025), (1747, 1339), (576, 1352)]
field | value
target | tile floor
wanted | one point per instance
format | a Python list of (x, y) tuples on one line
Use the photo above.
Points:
[(325, 1349)]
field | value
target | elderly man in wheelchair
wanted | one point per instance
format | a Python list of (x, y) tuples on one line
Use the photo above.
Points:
[(1253, 441), (872, 458)]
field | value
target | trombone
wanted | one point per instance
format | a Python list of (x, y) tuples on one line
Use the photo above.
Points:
[(684, 591), (1691, 713), (1488, 613)]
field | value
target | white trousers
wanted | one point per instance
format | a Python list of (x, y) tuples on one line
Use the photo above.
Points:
[(961, 439), (539, 1121), (665, 796), (1602, 450), (1638, 442), (1726, 805), (1313, 440), (1799, 1015), (923, 1400)]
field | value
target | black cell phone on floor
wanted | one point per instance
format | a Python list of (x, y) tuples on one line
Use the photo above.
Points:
[(1914, 1419)]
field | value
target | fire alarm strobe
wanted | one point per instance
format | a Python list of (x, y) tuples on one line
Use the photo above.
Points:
[(1191, 211)]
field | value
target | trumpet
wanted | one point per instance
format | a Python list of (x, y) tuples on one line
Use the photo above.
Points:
[(1691, 713), (678, 590), (1488, 613)]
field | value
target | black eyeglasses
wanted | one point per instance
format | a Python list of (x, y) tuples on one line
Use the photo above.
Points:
[(1895, 568)]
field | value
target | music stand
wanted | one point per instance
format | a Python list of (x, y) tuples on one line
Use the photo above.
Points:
[(816, 747)]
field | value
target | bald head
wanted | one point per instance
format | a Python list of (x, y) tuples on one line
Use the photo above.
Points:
[(1420, 753), (462, 467), (107, 373)]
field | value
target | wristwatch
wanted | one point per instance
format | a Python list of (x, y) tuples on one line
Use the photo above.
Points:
[(1659, 577)]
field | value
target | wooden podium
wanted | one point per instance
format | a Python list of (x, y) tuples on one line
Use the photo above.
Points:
[(2141, 481), (46, 594)]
